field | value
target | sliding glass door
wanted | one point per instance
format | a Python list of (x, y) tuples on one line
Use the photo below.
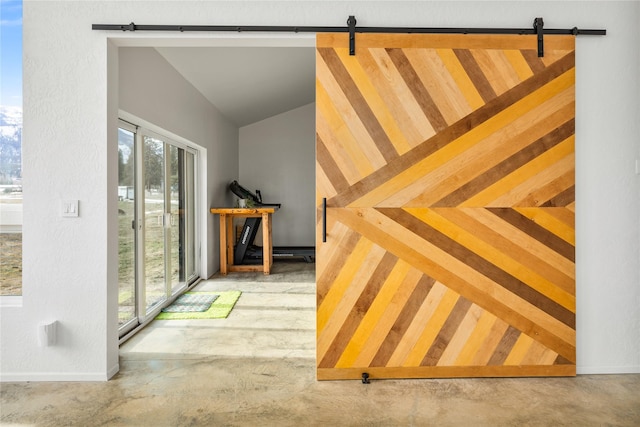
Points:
[(162, 229), (127, 298), (154, 222), (181, 209)]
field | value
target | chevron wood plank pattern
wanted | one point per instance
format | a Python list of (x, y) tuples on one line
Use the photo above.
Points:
[(448, 164)]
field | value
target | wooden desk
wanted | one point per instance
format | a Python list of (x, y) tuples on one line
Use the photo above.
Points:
[(227, 239)]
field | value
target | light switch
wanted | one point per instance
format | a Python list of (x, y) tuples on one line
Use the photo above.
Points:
[(70, 208)]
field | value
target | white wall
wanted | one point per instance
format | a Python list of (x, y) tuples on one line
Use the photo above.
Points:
[(152, 90), (69, 116), (277, 157)]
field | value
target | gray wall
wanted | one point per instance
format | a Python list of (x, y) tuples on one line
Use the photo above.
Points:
[(277, 157)]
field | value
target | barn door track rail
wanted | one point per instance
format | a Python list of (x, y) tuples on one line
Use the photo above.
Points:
[(351, 28)]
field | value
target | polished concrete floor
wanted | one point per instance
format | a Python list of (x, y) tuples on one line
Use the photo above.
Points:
[(257, 368)]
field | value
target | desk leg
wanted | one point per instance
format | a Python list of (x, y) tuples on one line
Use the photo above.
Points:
[(223, 244), (267, 244), (231, 239)]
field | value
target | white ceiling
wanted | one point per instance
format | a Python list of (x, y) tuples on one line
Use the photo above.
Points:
[(248, 84)]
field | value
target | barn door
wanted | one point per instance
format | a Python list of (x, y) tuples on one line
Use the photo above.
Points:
[(447, 164)]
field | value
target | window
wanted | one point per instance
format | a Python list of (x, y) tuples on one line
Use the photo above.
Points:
[(11, 148)]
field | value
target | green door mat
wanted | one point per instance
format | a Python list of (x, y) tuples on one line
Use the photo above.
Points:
[(191, 303), (220, 308)]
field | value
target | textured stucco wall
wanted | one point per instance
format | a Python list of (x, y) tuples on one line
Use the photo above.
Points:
[(68, 263)]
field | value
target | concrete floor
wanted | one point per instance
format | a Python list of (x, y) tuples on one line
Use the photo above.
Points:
[(257, 367)]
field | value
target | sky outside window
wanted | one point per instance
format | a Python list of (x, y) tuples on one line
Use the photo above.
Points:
[(11, 53)]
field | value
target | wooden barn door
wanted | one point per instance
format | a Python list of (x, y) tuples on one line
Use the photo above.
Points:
[(447, 164)]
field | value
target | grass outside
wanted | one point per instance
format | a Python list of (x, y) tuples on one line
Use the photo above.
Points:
[(10, 264), (10, 254)]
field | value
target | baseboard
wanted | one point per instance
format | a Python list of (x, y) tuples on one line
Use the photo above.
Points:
[(57, 376), (114, 370), (607, 370), (88, 377)]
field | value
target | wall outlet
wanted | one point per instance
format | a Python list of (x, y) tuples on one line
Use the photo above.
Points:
[(47, 334)]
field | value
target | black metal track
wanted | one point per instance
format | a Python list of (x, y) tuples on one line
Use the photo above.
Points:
[(537, 29), (293, 29)]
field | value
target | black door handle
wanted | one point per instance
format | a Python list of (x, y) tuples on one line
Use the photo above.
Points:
[(324, 219)]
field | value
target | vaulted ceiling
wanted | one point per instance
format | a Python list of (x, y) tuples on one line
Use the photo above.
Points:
[(248, 84)]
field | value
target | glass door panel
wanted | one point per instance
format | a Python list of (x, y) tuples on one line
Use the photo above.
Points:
[(126, 228), (175, 237), (189, 215), (155, 219)]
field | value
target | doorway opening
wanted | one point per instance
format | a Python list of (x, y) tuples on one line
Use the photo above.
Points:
[(272, 153)]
